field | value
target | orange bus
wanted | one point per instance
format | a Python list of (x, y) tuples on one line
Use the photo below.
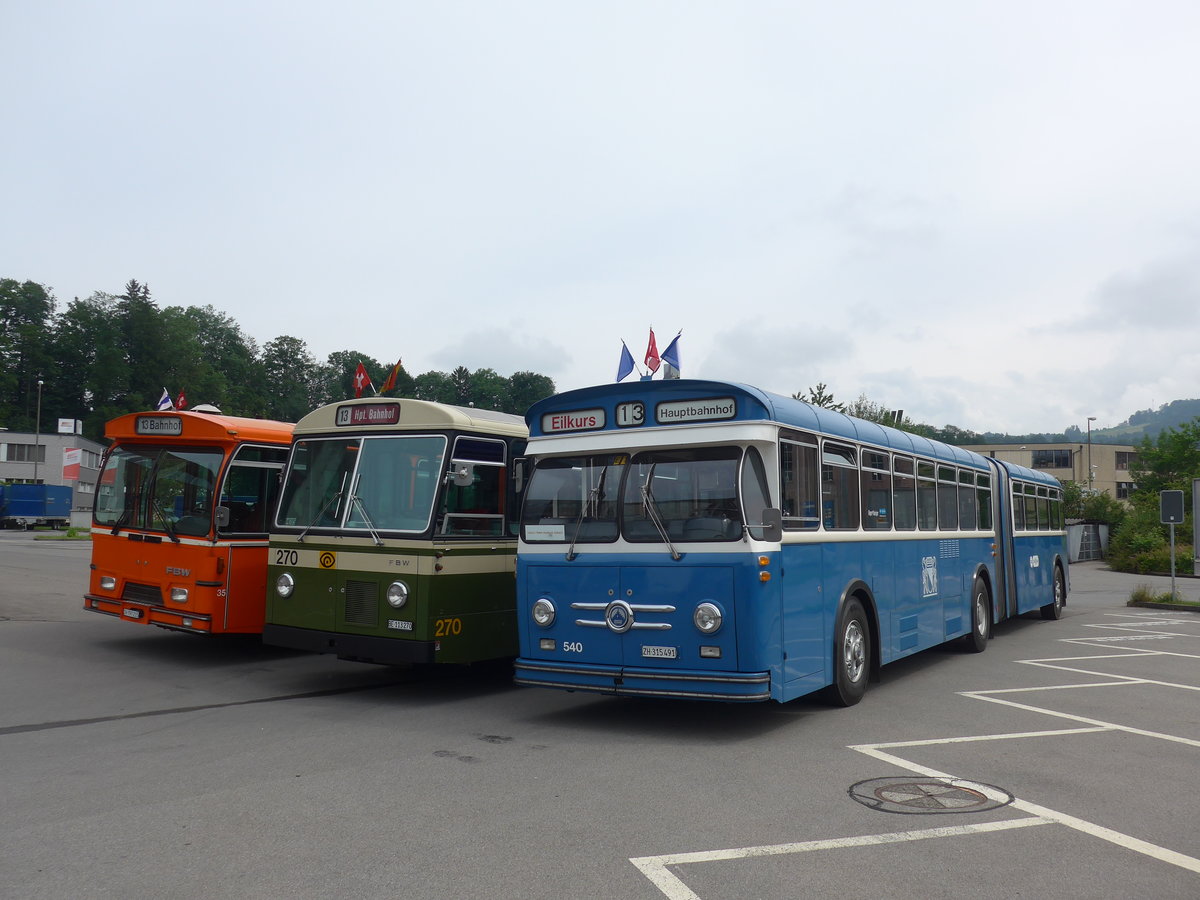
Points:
[(179, 530)]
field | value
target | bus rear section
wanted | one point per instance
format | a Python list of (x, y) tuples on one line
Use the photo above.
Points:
[(395, 537), (179, 529)]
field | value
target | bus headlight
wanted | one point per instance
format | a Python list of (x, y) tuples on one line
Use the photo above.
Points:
[(108, 583), (179, 595), (397, 594), (707, 618), (284, 585), (543, 612)]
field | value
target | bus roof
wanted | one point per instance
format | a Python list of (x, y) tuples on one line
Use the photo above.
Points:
[(404, 414), (671, 402), (200, 426)]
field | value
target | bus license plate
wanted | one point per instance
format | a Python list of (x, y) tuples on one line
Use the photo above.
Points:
[(659, 652)]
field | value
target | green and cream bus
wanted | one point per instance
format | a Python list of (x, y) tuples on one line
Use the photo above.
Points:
[(395, 537)]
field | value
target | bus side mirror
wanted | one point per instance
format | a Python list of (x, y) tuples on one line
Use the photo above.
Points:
[(222, 517), (462, 474), (772, 525), (518, 473)]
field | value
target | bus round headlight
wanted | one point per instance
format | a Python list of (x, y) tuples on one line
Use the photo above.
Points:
[(707, 618), (397, 594), (543, 612), (284, 585)]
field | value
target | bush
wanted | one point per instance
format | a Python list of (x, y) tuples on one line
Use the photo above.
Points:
[(1142, 544)]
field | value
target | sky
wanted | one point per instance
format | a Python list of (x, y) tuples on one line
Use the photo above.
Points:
[(984, 213)]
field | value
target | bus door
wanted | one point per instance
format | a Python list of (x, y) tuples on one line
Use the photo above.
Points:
[(1002, 520)]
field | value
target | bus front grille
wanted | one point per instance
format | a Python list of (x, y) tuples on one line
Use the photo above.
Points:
[(362, 603), (142, 593)]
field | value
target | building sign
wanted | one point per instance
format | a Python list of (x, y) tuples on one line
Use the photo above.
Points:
[(368, 414), (158, 425), (579, 420), (70, 426), (675, 411), (72, 459)]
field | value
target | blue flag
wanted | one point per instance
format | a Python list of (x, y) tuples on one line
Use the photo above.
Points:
[(625, 366), (671, 355), (164, 402)]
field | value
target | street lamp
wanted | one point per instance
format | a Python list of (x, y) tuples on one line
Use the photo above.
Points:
[(1091, 473), (37, 433)]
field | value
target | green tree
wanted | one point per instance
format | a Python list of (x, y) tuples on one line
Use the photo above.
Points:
[(225, 371), (290, 383), (26, 318), (820, 396), (87, 344), (488, 390), (1169, 461), (526, 389)]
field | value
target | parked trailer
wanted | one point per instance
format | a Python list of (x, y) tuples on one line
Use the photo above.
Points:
[(26, 505)]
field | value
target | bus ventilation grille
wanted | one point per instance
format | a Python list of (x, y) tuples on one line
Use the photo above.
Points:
[(141, 593), (362, 603)]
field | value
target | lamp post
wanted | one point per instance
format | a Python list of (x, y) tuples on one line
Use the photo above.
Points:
[(37, 433), (1091, 473)]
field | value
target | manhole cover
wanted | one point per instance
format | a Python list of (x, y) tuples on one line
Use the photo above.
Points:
[(928, 796)]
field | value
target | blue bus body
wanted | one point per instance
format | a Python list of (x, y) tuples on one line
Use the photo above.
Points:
[(709, 540)]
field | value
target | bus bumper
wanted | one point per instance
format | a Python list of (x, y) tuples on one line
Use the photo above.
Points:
[(145, 614), (355, 647), (635, 682)]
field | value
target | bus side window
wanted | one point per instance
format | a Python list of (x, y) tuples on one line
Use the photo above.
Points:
[(839, 487), (799, 471)]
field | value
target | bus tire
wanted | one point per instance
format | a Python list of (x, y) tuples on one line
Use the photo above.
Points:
[(851, 654), (1055, 610), (981, 618)]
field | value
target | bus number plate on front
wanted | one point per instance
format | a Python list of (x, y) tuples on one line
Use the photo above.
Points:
[(659, 652)]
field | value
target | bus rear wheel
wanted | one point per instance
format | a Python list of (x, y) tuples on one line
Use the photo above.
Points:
[(1055, 610), (981, 619), (851, 655)]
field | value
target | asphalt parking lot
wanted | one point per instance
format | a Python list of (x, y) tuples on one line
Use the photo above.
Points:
[(142, 763)]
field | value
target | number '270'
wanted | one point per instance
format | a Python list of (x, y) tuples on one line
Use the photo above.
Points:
[(447, 627)]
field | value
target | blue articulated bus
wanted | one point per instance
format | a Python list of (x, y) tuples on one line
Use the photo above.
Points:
[(709, 540)]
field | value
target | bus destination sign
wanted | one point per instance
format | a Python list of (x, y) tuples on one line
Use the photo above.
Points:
[(676, 411), (158, 425), (580, 420), (368, 414)]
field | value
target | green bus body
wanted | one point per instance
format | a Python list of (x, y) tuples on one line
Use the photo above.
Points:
[(395, 537)]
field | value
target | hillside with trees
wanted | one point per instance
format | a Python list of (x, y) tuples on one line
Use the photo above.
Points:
[(110, 354)]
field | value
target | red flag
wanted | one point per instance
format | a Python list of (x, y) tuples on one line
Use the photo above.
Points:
[(361, 380), (182, 401), (652, 360), (391, 379)]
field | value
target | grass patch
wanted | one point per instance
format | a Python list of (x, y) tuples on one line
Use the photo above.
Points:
[(1144, 595)]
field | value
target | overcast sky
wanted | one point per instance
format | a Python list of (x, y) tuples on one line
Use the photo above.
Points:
[(987, 214)]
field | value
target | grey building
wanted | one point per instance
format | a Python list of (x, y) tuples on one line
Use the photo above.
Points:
[(53, 458)]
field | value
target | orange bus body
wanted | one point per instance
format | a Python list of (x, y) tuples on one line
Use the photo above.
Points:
[(179, 530)]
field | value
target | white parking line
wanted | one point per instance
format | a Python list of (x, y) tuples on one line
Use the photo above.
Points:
[(657, 868)]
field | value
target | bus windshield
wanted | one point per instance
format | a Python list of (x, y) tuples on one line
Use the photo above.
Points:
[(363, 483), (158, 488), (679, 495)]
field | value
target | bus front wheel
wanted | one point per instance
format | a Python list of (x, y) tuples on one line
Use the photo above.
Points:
[(1055, 610), (851, 654), (981, 619)]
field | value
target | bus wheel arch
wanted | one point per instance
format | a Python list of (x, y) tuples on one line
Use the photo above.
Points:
[(855, 646), (982, 613)]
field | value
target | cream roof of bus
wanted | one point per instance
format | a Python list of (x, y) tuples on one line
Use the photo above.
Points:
[(204, 426), (417, 414)]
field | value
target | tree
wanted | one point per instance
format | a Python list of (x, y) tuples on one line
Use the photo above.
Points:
[(435, 387), (488, 390), (1169, 461), (26, 317), (289, 379), (526, 389), (820, 396)]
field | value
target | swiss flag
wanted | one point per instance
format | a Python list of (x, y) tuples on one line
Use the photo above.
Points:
[(361, 380)]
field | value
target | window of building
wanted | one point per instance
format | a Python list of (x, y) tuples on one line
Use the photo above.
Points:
[(1052, 459), (1124, 458)]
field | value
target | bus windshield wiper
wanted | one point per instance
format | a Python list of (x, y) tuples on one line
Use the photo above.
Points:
[(340, 491), (650, 508), (167, 526), (356, 500), (592, 503)]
